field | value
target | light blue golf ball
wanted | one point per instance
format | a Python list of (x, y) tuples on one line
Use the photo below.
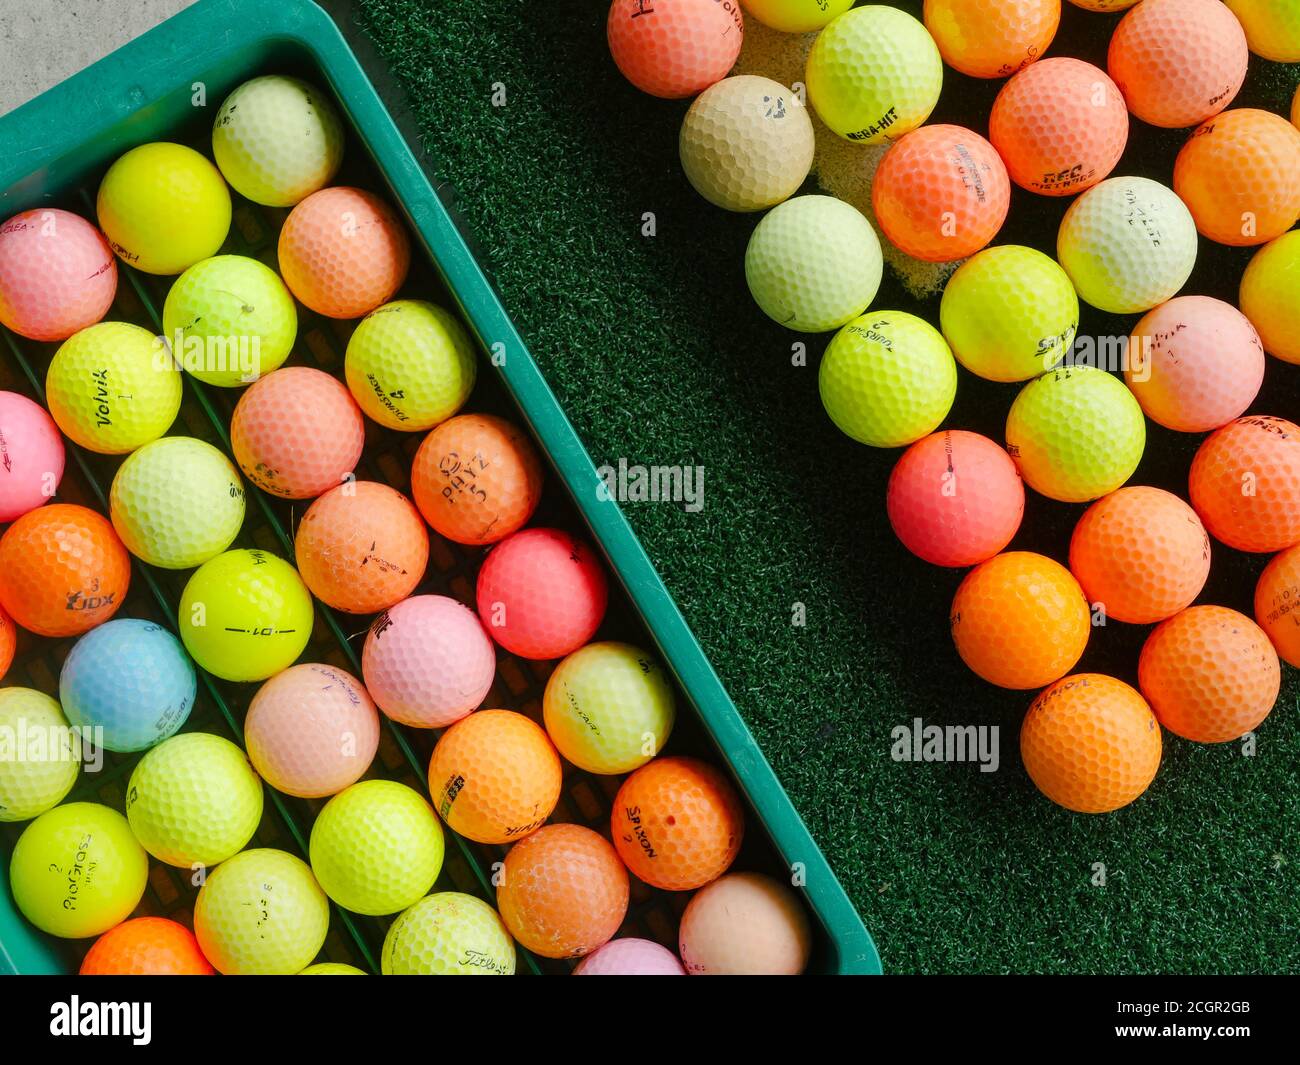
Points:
[(131, 678)]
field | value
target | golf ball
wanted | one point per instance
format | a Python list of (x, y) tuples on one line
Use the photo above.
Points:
[(1127, 244), (261, 914), (177, 502), (746, 143), (362, 547), (1270, 296), (1239, 174), (428, 662), (562, 891), (887, 379), (745, 924), (8, 642), (163, 207), (955, 499), (1020, 620), (311, 731), (332, 968), (31, 456), (146, 946), (1090, 743), (62, 570), (813, 264), (376, 847), (477, 479), (57, 274), (130, 678), (448, 934), (630, 957), (1103, 5), (297, 433), (410, 365), (1277, 604), (873, 74), (40, 764), (677, 823), (229, 320), (1010, 313), (1076, 434), (1141, 554), (1210, 674), (675, 50), (495, 777), (941, 193), (609, 708), (76, 871), (1245, 484), (1060, 125), (542, 593), (277, 140), (1272, 27), (343, 252), (194, 800), (245, 615), (1195, 363), (796, 16), (113, 387), (992, 38)]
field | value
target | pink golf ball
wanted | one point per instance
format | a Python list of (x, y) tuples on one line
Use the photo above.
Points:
[(1195, 363), (311, 731), (31, 456), (630, 957), (542, 593), (57, 274), (428, 662)]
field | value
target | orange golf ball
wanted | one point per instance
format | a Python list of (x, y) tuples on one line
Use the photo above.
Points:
[(147, 946), (1090, 743), (1245, 484), (1277, 604), (8, 643), (991, 38)]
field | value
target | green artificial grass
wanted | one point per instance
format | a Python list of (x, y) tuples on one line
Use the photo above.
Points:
[(658, 355)]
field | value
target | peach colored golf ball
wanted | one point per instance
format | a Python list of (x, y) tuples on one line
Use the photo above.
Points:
[(1245, 484), (745, 924), (1277, 604)]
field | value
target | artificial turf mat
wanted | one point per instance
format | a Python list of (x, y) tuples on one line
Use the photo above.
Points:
[(658, 355)]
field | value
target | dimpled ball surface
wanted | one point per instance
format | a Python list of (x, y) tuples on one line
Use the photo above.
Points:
[(1060, 125), (428, 661), (746, 143), (1277, 604), (147, 946), (32, 456), (1195, 363), (362, 547), (609, 708), (311, 731), (62, 570), (131, 678), (1270, 294), (1210, 674), (745, 924), (941, 193), (955, 498), (410, 365), (343, 252), (376, 847), (57, 274), (1128, 244), (1090, 743), (874, 74), (8, 642), (194, 800), (1245, 484), (1009, 313), (495, 777), (261, 914), (332, 968), (1272, 27), (1020, 620), (1076, 434), (630, 957), (563, 891), (448, 934), (813, 264), (796, 16), (1239, 174), (674, 50), (992, 38), (677, 823), (277, 140), (112, 388), (32, 785)]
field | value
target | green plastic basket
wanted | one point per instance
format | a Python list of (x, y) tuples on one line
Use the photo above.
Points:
[(167, 85)]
